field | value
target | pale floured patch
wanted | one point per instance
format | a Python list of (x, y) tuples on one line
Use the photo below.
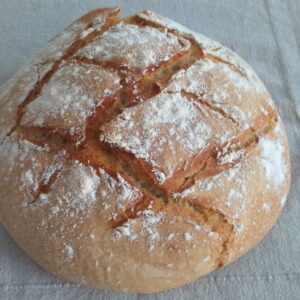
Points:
[(132, 46), (272, 160)]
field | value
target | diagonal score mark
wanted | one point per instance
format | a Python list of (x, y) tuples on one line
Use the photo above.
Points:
[(45, 186), (68, 53), (223, 61), (144, 22), (217, 222), (219, 110), (149, 85), (213, 219)]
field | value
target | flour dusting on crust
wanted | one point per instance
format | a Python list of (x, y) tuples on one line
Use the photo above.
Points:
[(71, 96), (15, 91), (208, 46), (223, 88), (272, 158), (29, 165), (145, 224), (165, 126), (80, 187), (132, 46), (116, 194)]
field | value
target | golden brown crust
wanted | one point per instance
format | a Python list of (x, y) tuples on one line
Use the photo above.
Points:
[(138, 155)]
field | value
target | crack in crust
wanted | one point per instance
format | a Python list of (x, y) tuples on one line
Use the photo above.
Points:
[(144, 22), (223, 61), (143, 88), (122, 70), (138, 90), (227, 155), (218, 222), (213, 218), (45, 186), (130, 213), (219, 110)]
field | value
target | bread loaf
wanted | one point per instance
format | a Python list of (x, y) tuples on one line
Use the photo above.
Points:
[(137, 155)]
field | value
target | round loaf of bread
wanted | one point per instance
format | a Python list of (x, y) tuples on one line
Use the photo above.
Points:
[(137, 155)]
